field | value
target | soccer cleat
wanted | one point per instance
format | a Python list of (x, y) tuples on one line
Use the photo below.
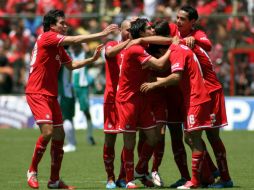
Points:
[(147, 181), (110, 185), (121, 183), (216, 174), (59, 184), (178, 183), (131, 185), (188, 185), (32, 180), (222, 184), (69, 148), (157, 179)]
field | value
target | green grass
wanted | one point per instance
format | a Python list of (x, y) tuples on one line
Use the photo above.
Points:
[(85, 170)]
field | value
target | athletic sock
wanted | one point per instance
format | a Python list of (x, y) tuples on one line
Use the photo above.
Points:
[(158, 154), (220, 154), (122, 173), (206, 172), (56, 159), (39, 150), (209, 160), (146, 154), (197, 161), (180, 157), (108, 157), (128, 157)]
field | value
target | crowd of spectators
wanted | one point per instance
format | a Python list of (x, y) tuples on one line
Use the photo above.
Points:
[(228, 23)]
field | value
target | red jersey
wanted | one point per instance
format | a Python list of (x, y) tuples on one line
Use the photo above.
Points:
[(112, 74), (46, 60), (131, 73), (211, 81), (192, 83), (200, 37)]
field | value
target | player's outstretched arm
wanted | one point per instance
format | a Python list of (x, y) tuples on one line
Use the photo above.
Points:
[(81, 63), (88, 37), (172, 79), (158, 64), (113, 51)]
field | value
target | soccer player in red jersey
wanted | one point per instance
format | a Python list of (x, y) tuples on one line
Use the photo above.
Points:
[(112, 56), (133, 109), (41, 91), (186, 72), (198, 41)]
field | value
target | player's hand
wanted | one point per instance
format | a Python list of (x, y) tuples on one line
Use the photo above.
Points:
[(147, 86), (110, 28), (97, 52), (175, 40), (190, 41)]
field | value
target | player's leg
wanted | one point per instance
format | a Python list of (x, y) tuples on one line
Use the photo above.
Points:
[(179, 152), (109, 157), (220, 155), (68, 109), (56, 150)]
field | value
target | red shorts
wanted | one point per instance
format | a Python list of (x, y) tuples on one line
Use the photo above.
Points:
[(218, 113), (110, 118), (158, 105), (45, 109), (135, 114), (198, 117), (175, 105)]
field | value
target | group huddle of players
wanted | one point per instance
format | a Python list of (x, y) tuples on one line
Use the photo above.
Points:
[(159, 75)]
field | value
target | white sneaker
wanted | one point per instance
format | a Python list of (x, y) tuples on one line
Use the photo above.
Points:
[(131, 185), (69, 148), (157, 179)]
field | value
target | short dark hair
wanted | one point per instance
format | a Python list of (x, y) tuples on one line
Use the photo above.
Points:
[(192, 12), (161, 28), (137, 26), (51, 18)]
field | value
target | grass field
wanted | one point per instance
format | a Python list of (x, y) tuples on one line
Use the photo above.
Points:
[(85, 170)]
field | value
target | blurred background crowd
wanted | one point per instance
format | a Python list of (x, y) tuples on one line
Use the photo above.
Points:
[(228, 24)]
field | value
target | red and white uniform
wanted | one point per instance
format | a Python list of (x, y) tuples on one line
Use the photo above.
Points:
[(132, 105), (195, 94), (218, 110), (201, 38), (112, 76), (46, 60)]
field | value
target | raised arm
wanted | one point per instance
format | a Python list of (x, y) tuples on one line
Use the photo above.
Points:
[(68, 40), (160, 63), (81, 63), (113, 51)]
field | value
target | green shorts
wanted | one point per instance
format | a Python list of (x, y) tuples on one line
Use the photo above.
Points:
[(67, 106), (82, 94)]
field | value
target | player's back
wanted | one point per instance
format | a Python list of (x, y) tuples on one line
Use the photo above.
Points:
[(192, 83), (212, 82)]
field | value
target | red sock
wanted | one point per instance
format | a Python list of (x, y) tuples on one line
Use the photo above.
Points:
[(56, 159), (122, 173), (180, 158), (128, 157), (206, 173), (158, 155), (197, 161), (146, 154), (39, 150), (209, 160), (108, 157), (220, 154)]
